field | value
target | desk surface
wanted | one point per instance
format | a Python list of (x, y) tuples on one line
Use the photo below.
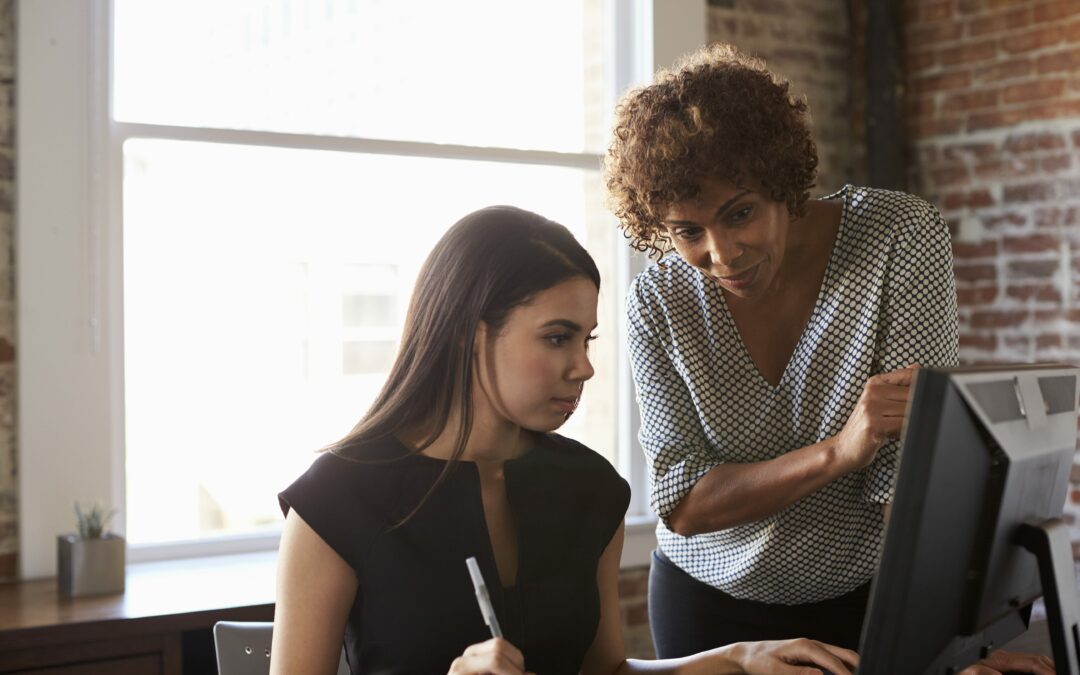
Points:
[(176, 593)]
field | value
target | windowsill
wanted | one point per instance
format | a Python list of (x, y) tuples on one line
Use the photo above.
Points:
[(640, 540)]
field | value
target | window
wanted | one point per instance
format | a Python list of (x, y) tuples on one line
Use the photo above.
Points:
[(253, 186)]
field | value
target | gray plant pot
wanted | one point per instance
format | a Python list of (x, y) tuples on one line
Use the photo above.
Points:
[(90, 566)]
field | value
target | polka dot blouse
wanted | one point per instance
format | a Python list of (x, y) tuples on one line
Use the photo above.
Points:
[(887, 300)]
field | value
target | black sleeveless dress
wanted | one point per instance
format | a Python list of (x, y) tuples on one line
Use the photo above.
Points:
[(415, 610)]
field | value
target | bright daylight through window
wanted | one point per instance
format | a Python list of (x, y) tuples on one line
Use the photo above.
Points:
[(287, 165)]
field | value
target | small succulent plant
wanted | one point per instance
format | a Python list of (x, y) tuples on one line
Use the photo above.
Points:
[(93, 521)]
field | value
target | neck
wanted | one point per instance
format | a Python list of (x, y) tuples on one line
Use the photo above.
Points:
[(489, 441)]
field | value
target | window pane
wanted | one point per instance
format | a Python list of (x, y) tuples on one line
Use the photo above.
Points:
[(248, 343), (510, 73)]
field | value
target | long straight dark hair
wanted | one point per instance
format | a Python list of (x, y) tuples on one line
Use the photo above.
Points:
[(486, 264)]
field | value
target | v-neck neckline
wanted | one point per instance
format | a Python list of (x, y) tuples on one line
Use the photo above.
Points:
[(826, 280), (488, 552)]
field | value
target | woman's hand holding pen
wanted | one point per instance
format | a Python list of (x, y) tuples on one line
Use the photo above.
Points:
[(494, 657)]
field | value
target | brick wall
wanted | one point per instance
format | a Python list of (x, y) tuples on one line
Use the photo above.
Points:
[(809, 43), (993, 117)]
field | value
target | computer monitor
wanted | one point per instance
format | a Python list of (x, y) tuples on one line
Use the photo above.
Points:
[(975, 534)]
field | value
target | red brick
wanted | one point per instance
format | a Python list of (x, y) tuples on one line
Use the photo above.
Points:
[(996, 221), (1004, 168), (1038, 38), (999, 118), (1032, 91), (7, 351), (1067, 60), (1039, 293), (1055, 164), (943, 82), (928, 11), (1056, 10), (1030, 142), (1006, 70), (1057, 216), (1052, 110), (1033, 269), (1021, 342), (917, 61), (928, 34), (967, 152), (1035, 243), (1008, 20), (999, 318), (969, 250), (950, 176), (1030, 192), (979, 98), (921, 106), (975, 6), (928, 127), (1072, 32), (972, 273), (973, 199), (986, 343), (1048, 341), (969, 52), (976, 295)]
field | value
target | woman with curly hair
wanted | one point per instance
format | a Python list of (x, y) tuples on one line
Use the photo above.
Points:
[(773, 347)]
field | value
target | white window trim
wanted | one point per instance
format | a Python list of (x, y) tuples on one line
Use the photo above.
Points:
[(69, 263)]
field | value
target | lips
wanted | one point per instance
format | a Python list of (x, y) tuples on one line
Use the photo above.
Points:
[(566, 405), (740, 280)]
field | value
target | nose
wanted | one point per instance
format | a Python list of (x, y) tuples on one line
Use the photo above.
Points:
[(723, 249), (582, 369)]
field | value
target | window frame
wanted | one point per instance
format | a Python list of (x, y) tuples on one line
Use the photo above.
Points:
[(68, 250)]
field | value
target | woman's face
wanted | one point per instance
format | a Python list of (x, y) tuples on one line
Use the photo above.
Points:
[(735, 235), (531, 373)]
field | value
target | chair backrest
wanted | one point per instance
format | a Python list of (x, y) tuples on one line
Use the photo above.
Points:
[(243, 648)]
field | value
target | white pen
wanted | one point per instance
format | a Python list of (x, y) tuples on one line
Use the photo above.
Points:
[(482, 597)]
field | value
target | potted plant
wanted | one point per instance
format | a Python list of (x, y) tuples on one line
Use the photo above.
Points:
[(92, 561)]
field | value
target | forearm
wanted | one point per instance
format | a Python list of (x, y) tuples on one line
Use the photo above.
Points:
[(721, 661), (733, 494)]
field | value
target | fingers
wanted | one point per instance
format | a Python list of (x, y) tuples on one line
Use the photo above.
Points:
[(902, 377), (849, 657), (496, 657), (1001, 661), (813, 656)]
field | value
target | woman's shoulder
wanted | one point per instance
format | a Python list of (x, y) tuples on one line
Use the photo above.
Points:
[(891, 206), (583, 463), (357, 469), (660, 288)]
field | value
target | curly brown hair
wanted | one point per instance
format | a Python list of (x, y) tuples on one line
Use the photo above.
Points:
[(718, 113)]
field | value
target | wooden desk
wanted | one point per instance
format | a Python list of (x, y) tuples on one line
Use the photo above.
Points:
[(160, 625)]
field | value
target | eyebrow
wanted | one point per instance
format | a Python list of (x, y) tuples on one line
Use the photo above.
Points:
[(565, 323), (723, 207)]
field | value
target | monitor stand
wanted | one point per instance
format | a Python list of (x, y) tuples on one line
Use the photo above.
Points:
[(1049, 541)]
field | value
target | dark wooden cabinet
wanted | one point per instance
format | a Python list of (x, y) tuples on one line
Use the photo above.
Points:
[(160, 625)]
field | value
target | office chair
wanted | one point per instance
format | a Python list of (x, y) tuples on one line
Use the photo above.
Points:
[(243, 648)]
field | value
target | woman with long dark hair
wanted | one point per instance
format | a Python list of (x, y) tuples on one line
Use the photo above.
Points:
[(456, 459)]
